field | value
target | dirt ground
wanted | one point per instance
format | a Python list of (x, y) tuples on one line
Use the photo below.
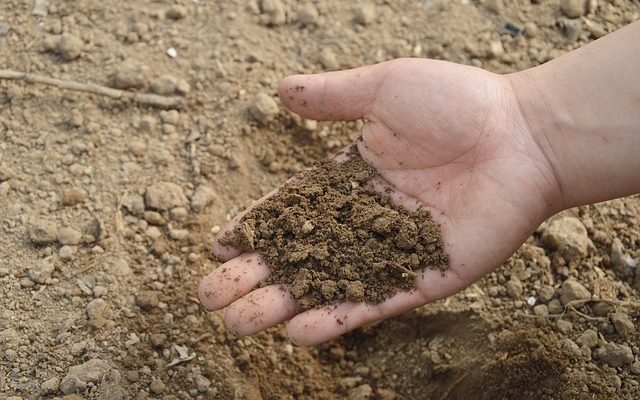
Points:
[(108, 208)]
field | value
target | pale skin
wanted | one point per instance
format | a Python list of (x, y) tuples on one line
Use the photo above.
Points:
[(490, 156)]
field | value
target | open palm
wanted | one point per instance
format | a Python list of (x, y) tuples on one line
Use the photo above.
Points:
[(446, 136)]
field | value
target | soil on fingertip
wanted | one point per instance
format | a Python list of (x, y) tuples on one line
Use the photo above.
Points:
[(329, 236)]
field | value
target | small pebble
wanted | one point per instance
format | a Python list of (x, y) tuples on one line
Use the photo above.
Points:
[(573, 8), (69, 46), (365, 14), (130, 75), (69, 236), (66, 252), (308, 14), (50, 386), (43, 232), (72, 197), (176, 12), (264, 108)]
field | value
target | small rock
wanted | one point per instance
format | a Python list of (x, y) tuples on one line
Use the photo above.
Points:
[(362, 392), (156, 386), (328, 59), (164, 85), (69, 46), (365, 14), (202, 197), (137, 147), (541, 310), (573, 8), (72, 197), (589, 338), (99, 291), (496, 50), (620, 260), (5, 187), (564, 326), (66, 252), (572, 29), (596, 29), (165, 196), (50, 386), (514, 288), (130, 75), (154, 218), (176, 12), (50, 43), (386, 394), (495, 6), (624, 326), (571, 348), (178, 213), (178, 234), (6, 173), (134, 203), (615, 381), (171, 117), (43, 232), (40, 8), (9, 338), (183, 87), (569, 236), (98, 313), (635, 368), (202, 383), (4, 28), (264, 108), (531, 29), (546, 293), (573, 290), (275, 11), (615, 355), (153, 232), (69, 236), (26, 282), (308, 14), (601, 308), (78, 376), (148, 300), (41, 272), (110, 387), (148, 123), (555, 307), (310, 125)]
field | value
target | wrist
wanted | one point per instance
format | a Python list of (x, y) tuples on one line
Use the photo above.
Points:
[(543, 124)]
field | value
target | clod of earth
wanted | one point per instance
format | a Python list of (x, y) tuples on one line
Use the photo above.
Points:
[(329, 236)]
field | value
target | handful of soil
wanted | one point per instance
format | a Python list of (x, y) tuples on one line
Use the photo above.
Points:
[(330, 237)]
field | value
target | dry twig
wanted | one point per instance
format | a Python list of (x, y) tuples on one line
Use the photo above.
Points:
[(140, 98)]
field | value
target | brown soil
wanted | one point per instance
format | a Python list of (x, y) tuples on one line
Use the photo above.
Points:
[(330, 236), (122, 291)]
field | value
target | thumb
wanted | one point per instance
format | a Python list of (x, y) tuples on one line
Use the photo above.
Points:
[(334, 96)]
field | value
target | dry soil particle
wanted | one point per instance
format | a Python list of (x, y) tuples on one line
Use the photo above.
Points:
[(329, 236)]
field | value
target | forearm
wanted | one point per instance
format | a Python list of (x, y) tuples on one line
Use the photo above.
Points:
[(584, 112)]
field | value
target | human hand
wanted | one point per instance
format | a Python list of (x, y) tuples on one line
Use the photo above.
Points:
[(448, 136)]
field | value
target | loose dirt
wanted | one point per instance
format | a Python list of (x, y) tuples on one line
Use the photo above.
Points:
[(330, 236), (102, 305)]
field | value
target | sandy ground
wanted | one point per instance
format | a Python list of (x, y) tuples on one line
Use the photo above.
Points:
[(108, 208)]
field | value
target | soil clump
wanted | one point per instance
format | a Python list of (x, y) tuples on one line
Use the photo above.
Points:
[(330, 236)]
